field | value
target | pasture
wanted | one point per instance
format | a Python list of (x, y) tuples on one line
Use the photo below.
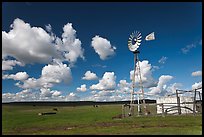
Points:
[(89, 120)]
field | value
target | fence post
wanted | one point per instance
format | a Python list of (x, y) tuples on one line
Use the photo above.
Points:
[(122, 112), (194, 102), (178, 102), (162, 105)]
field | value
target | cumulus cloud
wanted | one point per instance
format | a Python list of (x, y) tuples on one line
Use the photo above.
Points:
[(197, 85), (90, 76), (69, 44), (29, 95), (106, 95), (56, 73), (161, 87), (9, 64), (120, 93), (47, 92), (146, 74), (56, 93), (82, 88), (196, 73), (24, 95), (72, 97), (99, 96), (162, 60), (48, 28), (106, 83), (124, 86), (172, 88), (102, 95), (102, 47), (8, 97), (28, 44), (18, 76), (51, 74), (30, 83)]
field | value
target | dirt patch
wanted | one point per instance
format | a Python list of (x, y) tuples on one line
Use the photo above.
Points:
[(32, 130), (107, 124)]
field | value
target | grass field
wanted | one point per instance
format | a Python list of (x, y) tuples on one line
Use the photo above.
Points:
[(89, 120)]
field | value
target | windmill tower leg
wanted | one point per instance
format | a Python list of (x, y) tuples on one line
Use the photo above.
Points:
[(133, 88), (141, 84)]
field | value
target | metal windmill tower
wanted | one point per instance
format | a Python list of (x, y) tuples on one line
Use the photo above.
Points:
[(134, 42)]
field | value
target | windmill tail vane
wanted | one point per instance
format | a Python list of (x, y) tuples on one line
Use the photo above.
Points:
[(149, 37)]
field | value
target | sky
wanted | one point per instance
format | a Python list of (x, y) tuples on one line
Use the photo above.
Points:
[(78, 51)]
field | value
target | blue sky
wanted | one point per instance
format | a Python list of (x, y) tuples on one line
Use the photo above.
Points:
[(178, 39)]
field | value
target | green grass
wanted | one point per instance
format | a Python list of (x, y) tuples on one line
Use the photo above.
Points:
[(83, 120)]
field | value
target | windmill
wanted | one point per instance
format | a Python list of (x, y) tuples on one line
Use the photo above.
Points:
[(134, 42)]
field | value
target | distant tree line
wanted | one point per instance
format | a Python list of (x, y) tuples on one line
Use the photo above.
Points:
[(72, 103)]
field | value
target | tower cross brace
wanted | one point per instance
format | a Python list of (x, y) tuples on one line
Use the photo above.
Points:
[(137, 69)]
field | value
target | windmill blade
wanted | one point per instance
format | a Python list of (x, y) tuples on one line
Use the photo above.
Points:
[(140, 37), (139, 34), (139, 40)]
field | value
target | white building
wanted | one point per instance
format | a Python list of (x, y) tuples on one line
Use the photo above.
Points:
[(184, 102)]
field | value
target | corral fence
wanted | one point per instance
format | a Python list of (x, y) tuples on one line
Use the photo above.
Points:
[(181, 102)]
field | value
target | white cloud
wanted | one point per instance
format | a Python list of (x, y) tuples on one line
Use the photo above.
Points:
[(30, 83), (82, 88), (106, 83), (196, 73), (162, 60), (93, 92), (186, 49), (69, 44), (90, 76), (172, 88), (155, 68), (56, 73), (102, 47), (48, 28), (29, 95), (48, 93), (146, 74), (161, 87), (45, 92), (72, 97), (56, 93), (24, 95), (51, 74), (28, 44), (124, 86), (107, 95), (197, 85), (9, 64), (18, 76), (100, 96), (8, 97)]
